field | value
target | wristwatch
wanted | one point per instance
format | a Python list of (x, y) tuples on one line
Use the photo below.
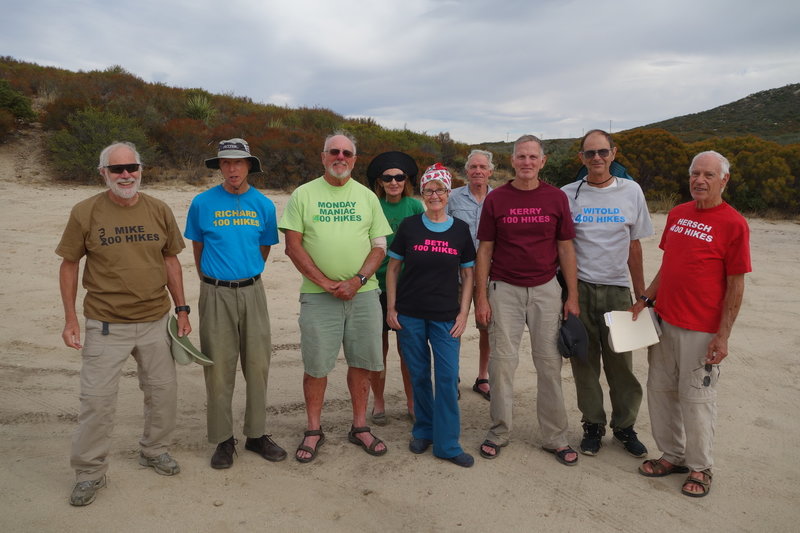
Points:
[(180, 308), (362, 278), (647, 301)]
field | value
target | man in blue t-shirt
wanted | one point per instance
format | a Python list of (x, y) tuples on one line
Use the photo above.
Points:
[(232, 227)]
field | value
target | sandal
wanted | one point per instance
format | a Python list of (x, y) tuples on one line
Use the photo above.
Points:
[(492, 445), (704, 483), (371, 448), (561, 455), (313, 451), (487, 395), (658, 468), (379, 419)]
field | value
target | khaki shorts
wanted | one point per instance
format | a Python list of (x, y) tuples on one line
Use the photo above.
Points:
[(328, 324)]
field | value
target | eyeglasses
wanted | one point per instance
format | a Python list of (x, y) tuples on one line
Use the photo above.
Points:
[(707, 378), (119, 169), (589, 154), (399, 178), (336, 151), (429, 192)]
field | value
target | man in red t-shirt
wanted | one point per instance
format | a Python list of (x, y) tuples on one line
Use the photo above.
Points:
[(697, 295), (525, 234)]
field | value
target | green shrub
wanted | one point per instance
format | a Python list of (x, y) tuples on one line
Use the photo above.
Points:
[(75, 149), (15, 102), (7, 123)]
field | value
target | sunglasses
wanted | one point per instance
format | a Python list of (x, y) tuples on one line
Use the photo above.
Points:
[(399, 178), (589, 154), (335, 153), (119, 169)]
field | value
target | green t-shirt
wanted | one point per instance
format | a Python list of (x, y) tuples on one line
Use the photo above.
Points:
[(337, 224), (395, 213)]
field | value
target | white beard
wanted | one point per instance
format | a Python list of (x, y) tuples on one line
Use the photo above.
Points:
[(123, 193)]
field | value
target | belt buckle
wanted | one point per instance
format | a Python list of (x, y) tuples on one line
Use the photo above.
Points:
[(234, 284)]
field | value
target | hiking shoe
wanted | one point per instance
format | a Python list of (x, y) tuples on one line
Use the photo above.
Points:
[(84, 492), (223, 455), (628, 439), (419, 446), (592, 438), (163, 464), (266, 448)]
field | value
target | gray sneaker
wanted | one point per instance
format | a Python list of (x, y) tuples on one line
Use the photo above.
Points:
[(84, 492), (163, 464)]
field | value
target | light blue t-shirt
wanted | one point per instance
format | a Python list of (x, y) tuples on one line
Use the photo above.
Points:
[(232, 228)]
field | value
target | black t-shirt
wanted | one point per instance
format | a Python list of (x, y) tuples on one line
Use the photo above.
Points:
[(428, 284)]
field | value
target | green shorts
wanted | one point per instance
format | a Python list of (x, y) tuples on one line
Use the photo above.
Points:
[(328, 323)]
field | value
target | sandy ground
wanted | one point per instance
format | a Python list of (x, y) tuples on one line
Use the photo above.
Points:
[(756, 484)]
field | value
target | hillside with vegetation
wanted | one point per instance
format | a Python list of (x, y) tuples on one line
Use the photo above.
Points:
[(177, 128)]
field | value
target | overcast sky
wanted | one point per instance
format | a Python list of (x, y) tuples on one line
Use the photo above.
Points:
[(482, 70)]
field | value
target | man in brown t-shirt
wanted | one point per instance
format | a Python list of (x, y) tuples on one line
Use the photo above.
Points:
[(130, 241)]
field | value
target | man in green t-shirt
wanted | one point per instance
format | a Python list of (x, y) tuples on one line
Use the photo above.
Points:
[(336, 237)]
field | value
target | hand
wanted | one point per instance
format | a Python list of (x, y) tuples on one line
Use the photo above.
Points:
[(483, 312), (347, 289), (184, 328), (717, 350), (391, 319), (571, 307), (637, 308), (459, 326), (72, 335)]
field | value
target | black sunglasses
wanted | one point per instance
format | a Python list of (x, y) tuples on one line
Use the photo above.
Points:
[(399, 178), (119, 169), (603, 152), (335, 153)]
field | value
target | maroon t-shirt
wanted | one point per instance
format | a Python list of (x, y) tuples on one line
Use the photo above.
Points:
[(525, 227)]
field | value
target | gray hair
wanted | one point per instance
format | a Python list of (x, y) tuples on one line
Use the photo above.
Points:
[(106, 153), (724, 164), (337, 133), (601, 132), (488, 155), (528, 139)]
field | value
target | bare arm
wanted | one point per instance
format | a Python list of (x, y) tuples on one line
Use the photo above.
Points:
[(483, 311), (718, 347), (636, 268), (68, 284), (467, 281), (569, 269), (650, 292), (392, 273), (175, 288), (265, 252), (197, 250)]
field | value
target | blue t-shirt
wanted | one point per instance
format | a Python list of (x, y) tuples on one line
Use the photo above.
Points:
[(232, 228)]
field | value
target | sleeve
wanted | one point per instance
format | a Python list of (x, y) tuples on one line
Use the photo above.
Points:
[(292, 218), (643, 227), (737, 256), (398, 247), (468, 254), (175, 242), (270, 234), (193, 232), (566, 229), (487, 230), (380, 226), (73, 241)]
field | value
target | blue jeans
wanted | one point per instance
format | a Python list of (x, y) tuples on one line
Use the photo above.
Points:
[(438, 416)]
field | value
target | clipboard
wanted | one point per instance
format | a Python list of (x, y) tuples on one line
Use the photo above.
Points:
[(625, 335)]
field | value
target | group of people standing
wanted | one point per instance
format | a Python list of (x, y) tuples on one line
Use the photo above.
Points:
[(377, 259)]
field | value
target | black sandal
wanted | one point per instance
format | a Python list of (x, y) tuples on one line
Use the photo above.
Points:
[(371, 448), (487, 395), (313, 451)]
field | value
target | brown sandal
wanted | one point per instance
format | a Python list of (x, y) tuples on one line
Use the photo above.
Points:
[(659, 469), (351, 436), (704, 483), (313, 451)]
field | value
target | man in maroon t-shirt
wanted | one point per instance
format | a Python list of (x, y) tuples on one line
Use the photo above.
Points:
[(525, 234), (697, 295)]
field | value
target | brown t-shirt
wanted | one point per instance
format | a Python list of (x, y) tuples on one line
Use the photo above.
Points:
[(125, 275)]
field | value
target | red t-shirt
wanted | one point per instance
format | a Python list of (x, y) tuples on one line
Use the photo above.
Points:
[(701, 248), (525, 227)]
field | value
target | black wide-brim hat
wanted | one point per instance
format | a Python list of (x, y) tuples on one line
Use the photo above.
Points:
[(383, 162), (573, 341), (234, 149)]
